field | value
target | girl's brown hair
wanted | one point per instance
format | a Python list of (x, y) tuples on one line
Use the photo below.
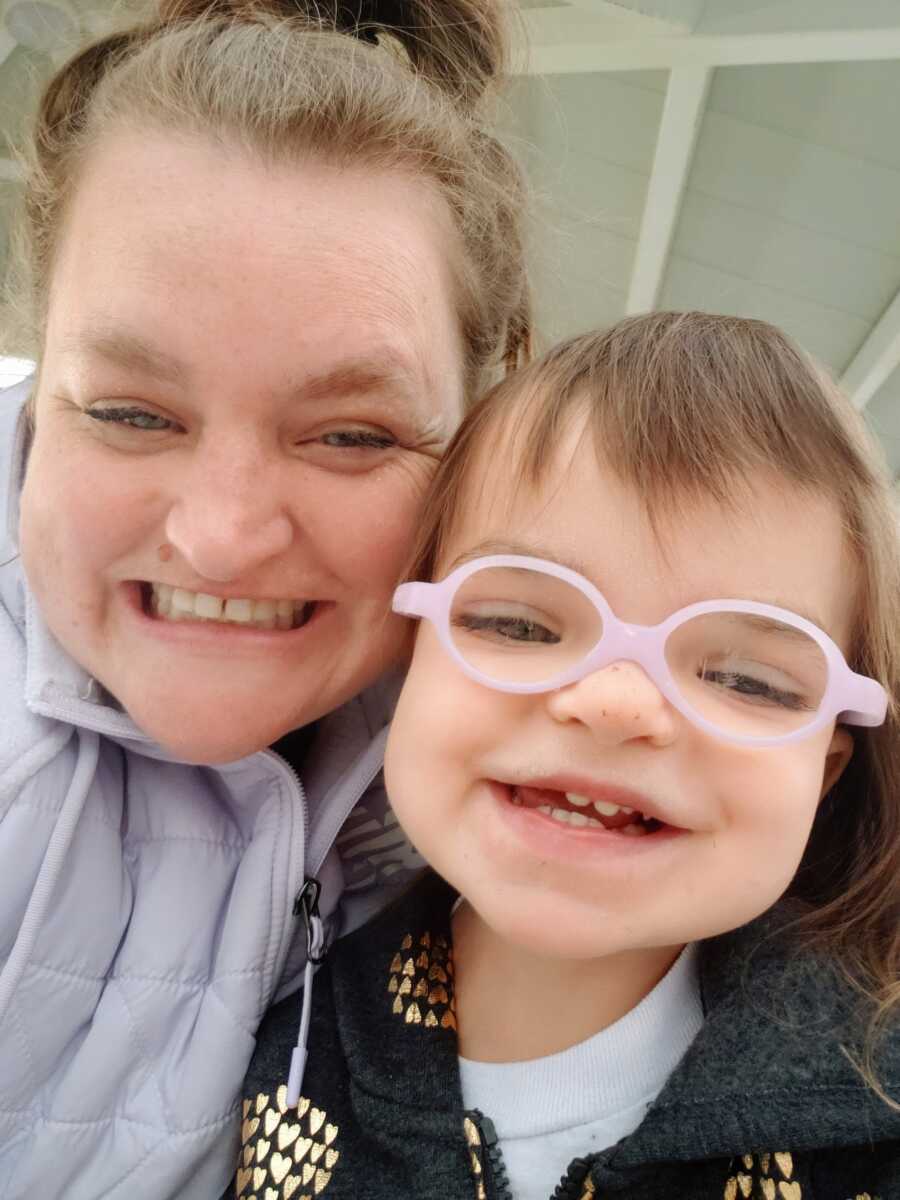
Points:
[(395, 84), (689, 405)]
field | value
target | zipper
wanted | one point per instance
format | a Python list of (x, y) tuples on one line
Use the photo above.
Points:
[(489, 1170), (485, 1158), (306, 905), (575, 1184), (301, 792)]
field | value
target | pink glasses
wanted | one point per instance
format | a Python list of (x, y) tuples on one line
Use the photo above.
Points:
[(742, 671)]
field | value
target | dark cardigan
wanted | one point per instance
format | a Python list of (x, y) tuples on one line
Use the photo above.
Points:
[(765, 1104)]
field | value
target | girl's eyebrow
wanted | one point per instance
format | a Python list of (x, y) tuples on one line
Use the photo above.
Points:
[(501, 546), (527, 550)]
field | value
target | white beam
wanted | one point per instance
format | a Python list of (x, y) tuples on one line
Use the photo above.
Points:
[(619, 16), (876, 358), (677, 137), (582, 24), (727, 50), (10, 171), (7, 44), (685, 13)]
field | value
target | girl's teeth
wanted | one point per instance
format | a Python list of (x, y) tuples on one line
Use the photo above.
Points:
[(178, 604), (580, 820), (578, 801), (606, 809), (566, 817)]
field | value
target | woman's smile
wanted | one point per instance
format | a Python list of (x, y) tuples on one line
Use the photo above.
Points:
[(242, 626), (169, 603)]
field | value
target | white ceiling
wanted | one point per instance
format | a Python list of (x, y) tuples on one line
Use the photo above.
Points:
[(768, 186), (734, 155)]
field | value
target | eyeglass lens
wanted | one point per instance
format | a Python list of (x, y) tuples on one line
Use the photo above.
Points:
[(745, 674)]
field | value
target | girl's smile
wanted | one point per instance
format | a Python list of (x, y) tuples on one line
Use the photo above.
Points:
[(595, 818)]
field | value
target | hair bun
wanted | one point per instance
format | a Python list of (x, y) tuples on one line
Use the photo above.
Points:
[(459, 45)]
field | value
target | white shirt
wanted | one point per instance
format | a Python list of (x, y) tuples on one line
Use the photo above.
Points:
[(550, 1110)]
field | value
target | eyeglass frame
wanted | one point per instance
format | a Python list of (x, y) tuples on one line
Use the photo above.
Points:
[(851, 698)]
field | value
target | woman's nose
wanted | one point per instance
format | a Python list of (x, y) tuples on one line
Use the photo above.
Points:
[(619, 703), (229, 518)]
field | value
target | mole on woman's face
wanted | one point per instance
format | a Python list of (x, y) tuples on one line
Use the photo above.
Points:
[(249, 374)]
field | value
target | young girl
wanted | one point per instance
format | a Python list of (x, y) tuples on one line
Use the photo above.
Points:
[(648, 743)]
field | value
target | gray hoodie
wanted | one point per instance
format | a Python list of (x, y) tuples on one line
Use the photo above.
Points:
[(146, 910)]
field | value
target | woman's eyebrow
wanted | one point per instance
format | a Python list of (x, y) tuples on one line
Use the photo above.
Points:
[(360, 377), (378, 372), (128, 351)]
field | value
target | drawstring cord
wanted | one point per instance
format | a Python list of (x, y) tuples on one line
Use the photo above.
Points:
[(306, 905)]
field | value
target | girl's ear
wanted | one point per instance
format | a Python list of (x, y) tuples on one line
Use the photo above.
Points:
[(837, 756)]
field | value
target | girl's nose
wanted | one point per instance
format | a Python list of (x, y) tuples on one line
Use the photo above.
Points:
[(619, 703), (230, 518)]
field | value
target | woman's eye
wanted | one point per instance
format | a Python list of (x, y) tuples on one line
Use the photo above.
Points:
[(358, 439), (134, 418)]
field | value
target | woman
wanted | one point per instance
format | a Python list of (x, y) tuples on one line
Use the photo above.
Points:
[(269, 262)]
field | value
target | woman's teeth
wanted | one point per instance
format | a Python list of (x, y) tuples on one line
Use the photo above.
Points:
[(178, 604)]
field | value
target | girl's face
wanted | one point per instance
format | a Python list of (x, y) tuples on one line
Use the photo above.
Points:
[(459, 751), (249, 374)]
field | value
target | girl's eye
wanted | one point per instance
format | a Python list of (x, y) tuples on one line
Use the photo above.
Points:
[(755, 691), (358, 439), (506, 629), (132, 417)]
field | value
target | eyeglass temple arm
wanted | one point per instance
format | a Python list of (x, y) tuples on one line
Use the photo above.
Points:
[(869, 700), (413, 599)]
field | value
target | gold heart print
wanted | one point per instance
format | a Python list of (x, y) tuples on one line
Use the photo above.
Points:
[(322, 1179), (249, 1128), (243, 1178), (785, 1164), (287, 1134), (261, 1102), (789, 1191), (272, 1119), (300, 1149), (316, 1118), (279, 1166), (331, 1132), (290, 1186), (262, 1149)]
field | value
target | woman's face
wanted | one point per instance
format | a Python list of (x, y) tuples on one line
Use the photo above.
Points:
[(249, 374)]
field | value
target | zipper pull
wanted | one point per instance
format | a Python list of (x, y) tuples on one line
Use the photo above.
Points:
[(306, 905)]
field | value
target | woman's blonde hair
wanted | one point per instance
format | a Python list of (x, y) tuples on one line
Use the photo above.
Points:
[(684, 406), (395, 84)]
